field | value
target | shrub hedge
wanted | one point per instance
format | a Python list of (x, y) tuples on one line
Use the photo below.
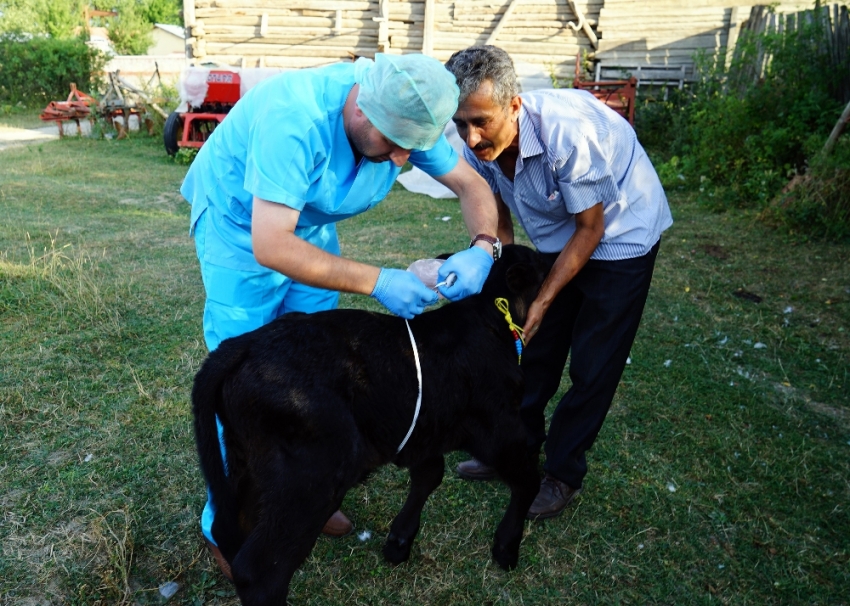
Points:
[(38, 70), (739, 134), (817, 205)]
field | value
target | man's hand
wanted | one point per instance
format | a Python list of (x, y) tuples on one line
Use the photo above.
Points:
[(403, 293), (471, 267), (590, 227), (533, 320)]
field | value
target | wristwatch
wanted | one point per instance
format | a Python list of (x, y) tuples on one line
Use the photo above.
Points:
[(497, 244)]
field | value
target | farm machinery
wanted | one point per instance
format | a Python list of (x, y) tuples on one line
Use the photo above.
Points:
[(119, 103), (214, 97)]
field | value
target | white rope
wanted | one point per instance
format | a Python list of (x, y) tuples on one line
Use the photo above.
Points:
[(419, 379)]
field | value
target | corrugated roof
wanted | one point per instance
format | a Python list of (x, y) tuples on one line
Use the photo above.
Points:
[(174, 30)]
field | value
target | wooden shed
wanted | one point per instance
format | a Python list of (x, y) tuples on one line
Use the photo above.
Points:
[(542, 36)]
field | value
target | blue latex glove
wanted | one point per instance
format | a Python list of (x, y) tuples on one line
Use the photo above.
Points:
[(471, 266), (403, 293)]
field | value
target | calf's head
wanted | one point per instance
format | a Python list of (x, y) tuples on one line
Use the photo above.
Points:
[(517, 277)]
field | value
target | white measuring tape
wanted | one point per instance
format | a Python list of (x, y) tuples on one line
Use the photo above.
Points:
[(419, 379)]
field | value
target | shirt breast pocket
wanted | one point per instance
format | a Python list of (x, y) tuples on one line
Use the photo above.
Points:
[(553, 204)]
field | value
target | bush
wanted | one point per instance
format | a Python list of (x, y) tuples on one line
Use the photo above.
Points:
[(817, 204), (35, 71), (739, 134)]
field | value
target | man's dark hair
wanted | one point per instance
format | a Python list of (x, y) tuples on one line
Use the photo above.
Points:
[(475, 64)]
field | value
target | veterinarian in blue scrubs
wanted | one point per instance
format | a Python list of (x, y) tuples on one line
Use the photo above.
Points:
[(572, 173), (301, 151)]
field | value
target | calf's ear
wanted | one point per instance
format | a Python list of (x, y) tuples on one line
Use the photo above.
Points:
[(522, 277)]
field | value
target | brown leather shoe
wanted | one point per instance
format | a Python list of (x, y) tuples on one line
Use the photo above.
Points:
[(338, 525), (473, 469), (219, 559), (553, 498)]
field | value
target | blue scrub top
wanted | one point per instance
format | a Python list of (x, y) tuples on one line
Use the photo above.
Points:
[(284, 142)]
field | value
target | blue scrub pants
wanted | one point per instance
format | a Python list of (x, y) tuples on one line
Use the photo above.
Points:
[(239, 301)]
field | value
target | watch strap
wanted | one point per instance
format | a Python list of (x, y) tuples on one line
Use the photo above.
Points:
[(497, 244), (492, 240)]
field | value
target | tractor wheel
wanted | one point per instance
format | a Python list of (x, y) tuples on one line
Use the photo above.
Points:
[(172, 133)]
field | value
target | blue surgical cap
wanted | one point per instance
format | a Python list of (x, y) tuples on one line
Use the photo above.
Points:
[(408, 98)]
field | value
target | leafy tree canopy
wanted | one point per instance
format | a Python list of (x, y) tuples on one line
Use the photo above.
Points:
[(63, 19)]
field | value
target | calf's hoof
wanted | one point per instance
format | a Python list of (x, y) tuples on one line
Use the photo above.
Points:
[(506, 557), (397, 550)]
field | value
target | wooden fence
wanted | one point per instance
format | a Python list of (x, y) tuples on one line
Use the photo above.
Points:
[(833, 41)]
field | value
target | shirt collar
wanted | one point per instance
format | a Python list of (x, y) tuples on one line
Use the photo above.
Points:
[(529, 142)]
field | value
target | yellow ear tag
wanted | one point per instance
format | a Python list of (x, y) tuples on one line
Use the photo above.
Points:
[(502, 306)]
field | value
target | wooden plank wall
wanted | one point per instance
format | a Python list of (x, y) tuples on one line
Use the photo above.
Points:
[(537, 34), (302, 33), (281, 33)]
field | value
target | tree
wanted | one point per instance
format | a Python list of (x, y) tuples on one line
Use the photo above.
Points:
[(163, 11), (62, 18), (130, 31), (58, 18)]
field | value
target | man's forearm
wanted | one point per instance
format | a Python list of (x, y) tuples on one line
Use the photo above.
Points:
[(506, 223), (477, 203), (308, 264), (277, 247), (573, 257), (590, 226)]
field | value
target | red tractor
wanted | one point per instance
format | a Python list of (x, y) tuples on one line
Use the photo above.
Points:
[(192, 127)]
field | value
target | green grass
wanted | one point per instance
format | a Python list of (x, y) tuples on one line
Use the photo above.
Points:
[(719, 477), (16, 117)]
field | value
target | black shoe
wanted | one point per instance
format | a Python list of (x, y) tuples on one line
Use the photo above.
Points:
[(474, 469), (219, 559), (553, 498), (338, 525)]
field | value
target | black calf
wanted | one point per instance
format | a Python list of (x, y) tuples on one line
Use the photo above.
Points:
[(310, 404)]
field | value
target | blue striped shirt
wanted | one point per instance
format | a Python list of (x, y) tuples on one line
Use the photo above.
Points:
[(575, 152)]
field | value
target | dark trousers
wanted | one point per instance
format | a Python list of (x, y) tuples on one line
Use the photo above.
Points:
[(594, 319)]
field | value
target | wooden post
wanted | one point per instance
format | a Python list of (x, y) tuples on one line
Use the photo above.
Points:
[(188, 13), (494, 34), (732, 36), (582, 25), (836, 131), (428, 28), (188, 23), (383, 21)]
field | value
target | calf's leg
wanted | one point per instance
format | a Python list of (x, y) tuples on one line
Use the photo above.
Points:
[(519, 471), (424, 479), (298, 496)]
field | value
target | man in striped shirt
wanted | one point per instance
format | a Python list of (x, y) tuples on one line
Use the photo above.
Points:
[(571, 172)]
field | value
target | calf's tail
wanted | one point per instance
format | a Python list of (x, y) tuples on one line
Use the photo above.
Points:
[(207, 401)]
